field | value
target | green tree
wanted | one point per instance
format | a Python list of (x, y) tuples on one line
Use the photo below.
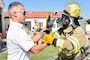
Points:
[(88, 21)]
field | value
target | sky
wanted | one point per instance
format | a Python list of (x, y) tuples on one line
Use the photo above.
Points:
[(51, 5)]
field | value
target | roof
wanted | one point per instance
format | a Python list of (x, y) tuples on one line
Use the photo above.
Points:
[(37, 14)]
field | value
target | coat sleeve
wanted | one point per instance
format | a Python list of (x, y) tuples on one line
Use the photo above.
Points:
[(78, 34)]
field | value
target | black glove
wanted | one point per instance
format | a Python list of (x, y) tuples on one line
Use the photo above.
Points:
[(54, 42)]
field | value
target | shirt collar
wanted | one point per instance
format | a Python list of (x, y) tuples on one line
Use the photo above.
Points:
[(18, 24)]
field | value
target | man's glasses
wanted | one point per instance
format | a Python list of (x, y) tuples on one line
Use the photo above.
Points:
[(21, 11)]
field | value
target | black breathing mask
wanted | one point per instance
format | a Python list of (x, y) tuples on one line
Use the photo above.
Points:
[(64, 20)]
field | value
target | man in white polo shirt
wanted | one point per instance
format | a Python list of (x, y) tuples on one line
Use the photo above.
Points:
[(19, 43)]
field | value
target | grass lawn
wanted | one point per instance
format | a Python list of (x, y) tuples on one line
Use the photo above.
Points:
[(3, 55), (46, 53), (43, 55)]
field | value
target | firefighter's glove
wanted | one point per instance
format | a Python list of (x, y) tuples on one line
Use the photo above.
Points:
[(48, 38), (49, 23)]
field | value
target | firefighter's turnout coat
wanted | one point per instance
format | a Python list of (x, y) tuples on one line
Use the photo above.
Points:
[(70, 41)]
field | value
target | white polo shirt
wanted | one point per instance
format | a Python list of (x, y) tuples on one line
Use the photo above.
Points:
[(18, 42)]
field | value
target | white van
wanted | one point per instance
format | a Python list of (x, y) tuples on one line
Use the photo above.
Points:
[(85, 26), (88, 30)]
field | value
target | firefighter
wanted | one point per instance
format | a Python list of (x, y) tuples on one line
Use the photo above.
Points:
[(37, 26), (27, 29), (70, 37)]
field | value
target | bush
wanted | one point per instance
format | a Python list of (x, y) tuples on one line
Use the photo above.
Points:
[(88, 21)]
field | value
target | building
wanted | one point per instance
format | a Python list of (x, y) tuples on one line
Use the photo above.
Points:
[(1, 16), (1, 23), (31, 17)]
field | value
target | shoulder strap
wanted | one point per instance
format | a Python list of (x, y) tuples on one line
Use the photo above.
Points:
[(74, 27), (61, 31)]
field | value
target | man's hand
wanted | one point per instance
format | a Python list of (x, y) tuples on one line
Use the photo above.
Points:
[(43, 29), (48, 38)]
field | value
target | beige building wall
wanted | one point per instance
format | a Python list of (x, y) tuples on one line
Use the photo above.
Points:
[(2, 15)]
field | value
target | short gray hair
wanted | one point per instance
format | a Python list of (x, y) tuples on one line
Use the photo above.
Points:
[(14, 4)]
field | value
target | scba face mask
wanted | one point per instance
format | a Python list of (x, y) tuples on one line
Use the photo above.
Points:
[(63, 21)]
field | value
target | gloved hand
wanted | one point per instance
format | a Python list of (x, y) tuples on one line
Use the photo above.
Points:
[(49, 23), (48, 38)]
